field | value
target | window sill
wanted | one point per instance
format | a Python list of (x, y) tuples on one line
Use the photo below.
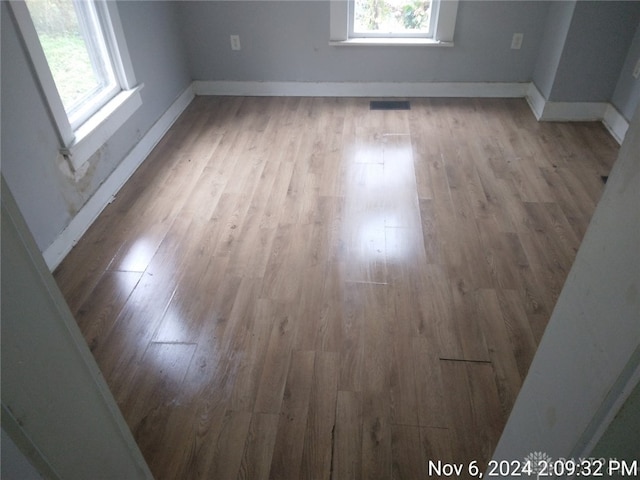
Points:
[(390, 42), (92, 134)]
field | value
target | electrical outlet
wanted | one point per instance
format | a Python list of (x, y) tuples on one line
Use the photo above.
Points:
[(235, 42), (516, 41), (636, 70)]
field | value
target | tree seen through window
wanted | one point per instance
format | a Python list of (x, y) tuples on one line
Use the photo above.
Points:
[(391, 16)]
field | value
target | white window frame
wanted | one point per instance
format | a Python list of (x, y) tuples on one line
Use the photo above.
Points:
[(79, 142), (444, 13)]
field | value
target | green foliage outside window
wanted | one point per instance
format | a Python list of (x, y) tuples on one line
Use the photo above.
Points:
[(392, 16), (59, 32)]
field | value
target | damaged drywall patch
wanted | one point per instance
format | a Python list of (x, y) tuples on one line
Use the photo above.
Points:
[(64, 165), (77, 183)]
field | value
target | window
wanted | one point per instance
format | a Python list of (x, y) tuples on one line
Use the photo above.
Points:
[(392, 22), (80, 58), (390, 18), (73, 42)]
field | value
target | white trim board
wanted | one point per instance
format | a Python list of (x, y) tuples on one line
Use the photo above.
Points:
[(105, 194), (535, 100), (615, 123), (573, 111), (361, 89), (546, 111)]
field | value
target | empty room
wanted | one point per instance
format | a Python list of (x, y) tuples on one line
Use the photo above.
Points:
[(323, 239)]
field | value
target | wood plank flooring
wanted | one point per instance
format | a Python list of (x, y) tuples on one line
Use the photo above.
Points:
[(295, 288)]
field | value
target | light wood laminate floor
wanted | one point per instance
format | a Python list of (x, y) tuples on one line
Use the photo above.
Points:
[(295, 288)]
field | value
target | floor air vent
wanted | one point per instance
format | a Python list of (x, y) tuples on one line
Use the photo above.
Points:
[(389, 105)]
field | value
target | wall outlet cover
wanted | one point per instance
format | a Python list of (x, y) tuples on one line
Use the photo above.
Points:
[(516, 41), (235, 42)]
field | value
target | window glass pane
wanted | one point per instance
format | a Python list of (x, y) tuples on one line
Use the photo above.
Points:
[(73, 44), (392, 16)]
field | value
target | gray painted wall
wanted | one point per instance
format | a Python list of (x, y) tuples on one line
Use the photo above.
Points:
[(553, 38), (583, 52), (55, 402), (49, 200), (626, 96), (15, 466), (595, 50), (622, 438), (573, 51), (288, 41), (590, 346)]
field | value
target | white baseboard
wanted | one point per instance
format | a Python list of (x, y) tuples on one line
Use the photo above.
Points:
[(360, 89), (105, 194), (573, 111), (546, 111), (615, 123), (535, 100)]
